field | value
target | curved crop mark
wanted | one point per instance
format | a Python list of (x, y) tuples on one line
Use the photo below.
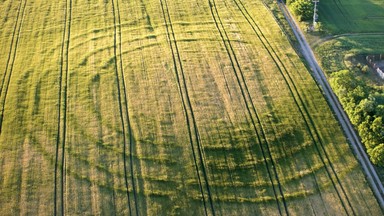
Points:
[(248, 100), (187, 107)]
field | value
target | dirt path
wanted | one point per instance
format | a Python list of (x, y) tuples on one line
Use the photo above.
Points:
[(331, 37), (318, 74)]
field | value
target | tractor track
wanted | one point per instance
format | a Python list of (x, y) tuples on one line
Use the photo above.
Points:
[(321, 144), (11, 47), (187, 107), (62, 109), (318, 74), (10, 63), (339, 6), (117, 22), (276, 59), (246, 94), (346, 16)]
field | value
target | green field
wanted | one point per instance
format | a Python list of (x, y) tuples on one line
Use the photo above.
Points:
[(145, 107), (352, 16)]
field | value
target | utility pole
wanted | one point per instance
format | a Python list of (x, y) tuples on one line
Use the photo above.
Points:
[(315, 15)]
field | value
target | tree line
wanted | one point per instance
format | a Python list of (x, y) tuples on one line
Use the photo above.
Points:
[(303, 9), (365, 108)]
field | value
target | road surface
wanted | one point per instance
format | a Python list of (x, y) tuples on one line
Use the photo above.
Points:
[(354, 140)]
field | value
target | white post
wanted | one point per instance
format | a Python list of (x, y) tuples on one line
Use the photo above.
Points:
[(315, 16)]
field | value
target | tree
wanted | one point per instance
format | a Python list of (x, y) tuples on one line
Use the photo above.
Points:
[(366, 107), (347, 87), (377, 127), (380, 110), (288, 2), (303, 9), (357, 94), (377, 154)]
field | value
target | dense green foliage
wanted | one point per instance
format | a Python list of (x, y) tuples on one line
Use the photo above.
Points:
[(303, 9), (365, 108), (356, 87), (337, 55)]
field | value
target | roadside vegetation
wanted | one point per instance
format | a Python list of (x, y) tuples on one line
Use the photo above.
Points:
[(347, 32), (355, 83), (365, 106), (303, 9), (359, 88)]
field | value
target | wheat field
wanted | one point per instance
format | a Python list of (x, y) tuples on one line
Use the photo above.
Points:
[(142, 107)]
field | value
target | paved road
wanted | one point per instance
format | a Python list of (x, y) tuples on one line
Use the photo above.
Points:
[(354, 140)]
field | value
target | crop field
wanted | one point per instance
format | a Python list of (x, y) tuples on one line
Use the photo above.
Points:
[(347, 16), (143, 107)]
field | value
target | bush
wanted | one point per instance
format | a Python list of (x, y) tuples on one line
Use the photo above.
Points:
[(365, 69), (377, 155), (303, 9)]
